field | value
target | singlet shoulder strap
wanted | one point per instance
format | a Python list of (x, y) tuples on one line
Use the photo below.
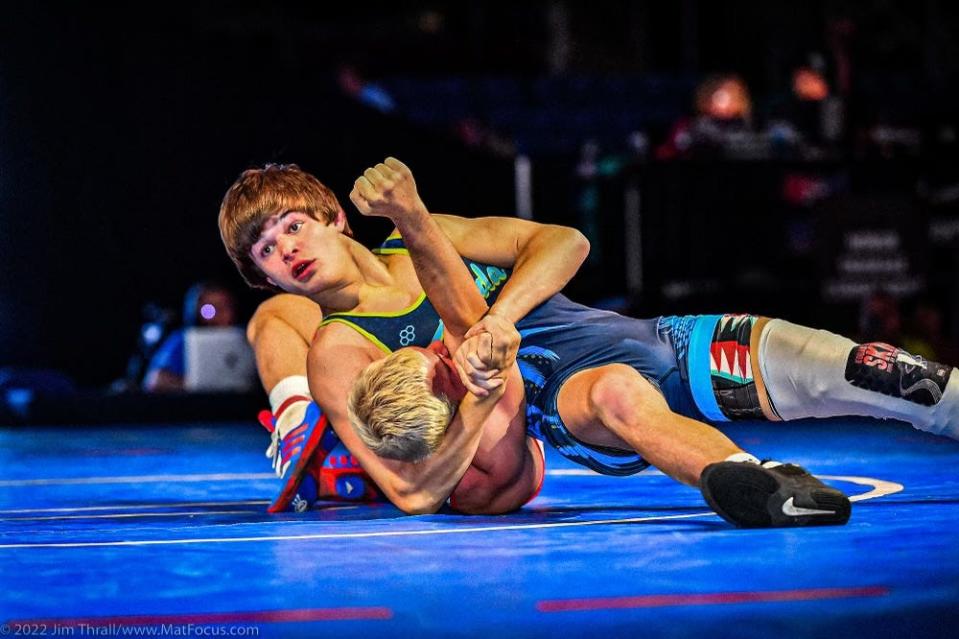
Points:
[(393, 245), (362, 323), (345, 321)]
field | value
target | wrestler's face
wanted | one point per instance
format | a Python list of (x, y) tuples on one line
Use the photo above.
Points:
[(441, 374), (300, 254)]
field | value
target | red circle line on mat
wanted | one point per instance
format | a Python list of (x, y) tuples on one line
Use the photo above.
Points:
[(707, 599)]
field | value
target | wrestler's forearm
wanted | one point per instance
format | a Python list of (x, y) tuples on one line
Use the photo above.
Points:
[(389, 190), (441, 272), (432, 480), (545, 263)]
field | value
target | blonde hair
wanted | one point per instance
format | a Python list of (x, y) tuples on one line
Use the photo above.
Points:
[(259, 194), (394, 411)]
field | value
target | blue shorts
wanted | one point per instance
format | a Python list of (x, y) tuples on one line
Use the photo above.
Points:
[(701, 364)]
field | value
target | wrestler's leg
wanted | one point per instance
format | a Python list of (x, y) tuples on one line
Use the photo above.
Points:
[(815, 373), (617, 407), (280, 333)]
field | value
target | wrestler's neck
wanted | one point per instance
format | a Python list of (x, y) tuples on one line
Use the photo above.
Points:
[(370, 283)]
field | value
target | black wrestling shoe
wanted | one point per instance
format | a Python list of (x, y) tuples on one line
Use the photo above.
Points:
[(771, 495)]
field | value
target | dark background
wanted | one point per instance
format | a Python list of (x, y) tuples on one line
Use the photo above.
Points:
[(122, 126)]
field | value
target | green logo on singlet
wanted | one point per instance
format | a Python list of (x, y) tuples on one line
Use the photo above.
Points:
[(487, 279)]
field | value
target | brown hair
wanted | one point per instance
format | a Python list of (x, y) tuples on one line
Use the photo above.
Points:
[(259, 194)]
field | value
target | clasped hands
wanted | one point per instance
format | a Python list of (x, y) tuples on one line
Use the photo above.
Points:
[(486, 354)]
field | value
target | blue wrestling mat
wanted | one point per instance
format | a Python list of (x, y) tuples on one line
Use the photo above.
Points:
[(136, 531)]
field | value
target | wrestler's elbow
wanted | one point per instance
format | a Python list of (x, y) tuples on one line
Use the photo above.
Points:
[(565, 241), (577, 242), (418, 505), (415, 502)]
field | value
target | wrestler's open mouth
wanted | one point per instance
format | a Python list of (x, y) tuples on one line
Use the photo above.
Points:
[(302, 269)]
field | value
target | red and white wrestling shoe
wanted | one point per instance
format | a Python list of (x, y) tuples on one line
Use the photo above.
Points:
[(339, 477), (312, 460), (297, 431)]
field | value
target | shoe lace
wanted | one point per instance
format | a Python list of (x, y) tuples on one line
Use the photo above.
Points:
[(290, 415), (273, 452)]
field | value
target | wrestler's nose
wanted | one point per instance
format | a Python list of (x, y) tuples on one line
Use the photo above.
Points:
[(287, 247)]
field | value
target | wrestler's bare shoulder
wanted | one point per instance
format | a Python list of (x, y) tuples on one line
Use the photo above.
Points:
[(337, 349)]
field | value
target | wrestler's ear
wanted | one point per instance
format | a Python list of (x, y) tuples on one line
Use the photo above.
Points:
[(340, 222)]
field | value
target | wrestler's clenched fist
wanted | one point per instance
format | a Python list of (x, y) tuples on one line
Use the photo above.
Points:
[(387, 190)]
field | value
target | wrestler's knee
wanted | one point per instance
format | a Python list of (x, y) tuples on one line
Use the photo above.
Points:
[(620, 394), (299, 313)]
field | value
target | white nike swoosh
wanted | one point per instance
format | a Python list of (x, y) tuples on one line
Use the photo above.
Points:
[(795, 511), (926, 384)]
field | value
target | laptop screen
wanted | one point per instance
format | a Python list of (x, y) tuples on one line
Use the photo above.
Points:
[(218, 359)]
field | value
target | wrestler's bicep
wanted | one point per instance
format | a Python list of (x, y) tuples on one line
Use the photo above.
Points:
[(493, 240)]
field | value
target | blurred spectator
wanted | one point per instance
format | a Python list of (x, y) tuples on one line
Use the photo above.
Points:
[(722, 122), (369, 93), (724, 99), (157, 321), (205, 304), (805, 108), (925, 335), (880, 319), (809, 85), (806, 116)]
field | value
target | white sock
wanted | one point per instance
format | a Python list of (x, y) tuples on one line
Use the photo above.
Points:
[(286, 388), (289, 400), (743, 458)]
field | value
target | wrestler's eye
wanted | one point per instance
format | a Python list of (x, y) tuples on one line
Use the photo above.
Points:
[(266, 250), (294, 227)]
